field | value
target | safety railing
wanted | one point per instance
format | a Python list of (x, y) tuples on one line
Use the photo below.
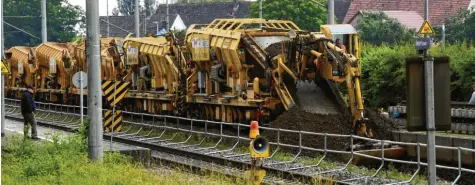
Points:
[(168, 123)]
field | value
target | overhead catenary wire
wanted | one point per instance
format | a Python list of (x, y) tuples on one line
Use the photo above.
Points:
[(19, 29), (116, 26), (107, 22), (20, 16)]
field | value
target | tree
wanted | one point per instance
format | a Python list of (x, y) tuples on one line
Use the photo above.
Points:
[(126, 7), (461, 26), (149, 7), (61, 21), (378, 28), (115, 12), (201, 1), (306, 14)]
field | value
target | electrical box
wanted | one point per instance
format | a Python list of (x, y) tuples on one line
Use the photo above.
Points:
[(416, 98)]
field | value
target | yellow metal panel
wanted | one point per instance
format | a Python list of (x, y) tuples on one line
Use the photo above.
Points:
[(200, 47), (132, 53), (233, 49), (161, 65), (214, 45), (224, 50)]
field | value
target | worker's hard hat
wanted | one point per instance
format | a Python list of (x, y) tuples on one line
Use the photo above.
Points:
[(254, 130)]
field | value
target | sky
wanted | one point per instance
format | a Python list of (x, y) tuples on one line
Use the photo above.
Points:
[(103, 5)]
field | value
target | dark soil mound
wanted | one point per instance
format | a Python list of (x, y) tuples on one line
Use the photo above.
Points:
[(380, 126), (298, 119), (274, 49)]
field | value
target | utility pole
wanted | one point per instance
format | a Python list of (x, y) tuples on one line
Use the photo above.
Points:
[(168, 17), (2, 79), (44, 32), (108, 25), (156, 22), (137, 18), (331, 12), (443, 38), (260, 9), (429, 82), (94, 92)]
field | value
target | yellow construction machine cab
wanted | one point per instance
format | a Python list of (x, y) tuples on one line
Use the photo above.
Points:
[(346, 33)]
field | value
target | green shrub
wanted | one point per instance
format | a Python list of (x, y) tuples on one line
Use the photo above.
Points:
[(384, 74)]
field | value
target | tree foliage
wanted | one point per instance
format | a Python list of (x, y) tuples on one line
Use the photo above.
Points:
[(127, 7), (201, 1), (149, 7), (61, 21), (461, 26), (306, 14), (115, 12), (378, 28)]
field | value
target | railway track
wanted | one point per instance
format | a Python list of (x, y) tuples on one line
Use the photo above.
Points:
[(212, 158)]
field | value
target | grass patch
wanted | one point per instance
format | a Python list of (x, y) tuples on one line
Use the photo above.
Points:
[(65, 161), (282, 156), (325, 164)]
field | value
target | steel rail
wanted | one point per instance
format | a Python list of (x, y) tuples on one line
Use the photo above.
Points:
[(268, 165)]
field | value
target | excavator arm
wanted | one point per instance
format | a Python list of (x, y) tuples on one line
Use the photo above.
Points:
[(331, 65)]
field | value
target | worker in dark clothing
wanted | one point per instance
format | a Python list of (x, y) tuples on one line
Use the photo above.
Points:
[(28, 106)]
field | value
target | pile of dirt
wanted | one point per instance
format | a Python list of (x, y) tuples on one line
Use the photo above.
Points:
[(381, 127), (298, 119), (274, 49)]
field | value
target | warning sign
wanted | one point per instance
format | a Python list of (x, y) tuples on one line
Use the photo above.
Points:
[(200, 47), (426, 28), (5, 69), (133, 54)]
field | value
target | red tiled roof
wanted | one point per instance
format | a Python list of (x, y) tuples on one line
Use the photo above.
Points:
[(438, 9), (410, 19)]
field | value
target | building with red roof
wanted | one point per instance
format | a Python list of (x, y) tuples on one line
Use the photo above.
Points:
[(439, 10)]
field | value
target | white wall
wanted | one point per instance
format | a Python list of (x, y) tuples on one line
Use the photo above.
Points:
[(472, 3)]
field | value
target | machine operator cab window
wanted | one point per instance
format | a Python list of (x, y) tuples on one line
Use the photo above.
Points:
[(344, 35)]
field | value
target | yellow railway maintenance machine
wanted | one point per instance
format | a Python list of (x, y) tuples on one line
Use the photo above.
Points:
[(22, 65), (229, 76), (54, 68), (155, 64)]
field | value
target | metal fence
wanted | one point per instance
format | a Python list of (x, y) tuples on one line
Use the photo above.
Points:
[(72, 112)]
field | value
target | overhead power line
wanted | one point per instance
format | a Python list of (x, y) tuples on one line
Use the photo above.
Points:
[(19, 16), (28, 33)]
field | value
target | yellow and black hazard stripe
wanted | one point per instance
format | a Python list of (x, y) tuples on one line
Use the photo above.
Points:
[(112, 122), (115, 89)]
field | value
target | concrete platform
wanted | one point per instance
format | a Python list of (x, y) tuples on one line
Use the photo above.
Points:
[(442, 139), (137, 153)]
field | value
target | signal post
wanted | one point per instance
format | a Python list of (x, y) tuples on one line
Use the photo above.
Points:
[(259, 150)]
